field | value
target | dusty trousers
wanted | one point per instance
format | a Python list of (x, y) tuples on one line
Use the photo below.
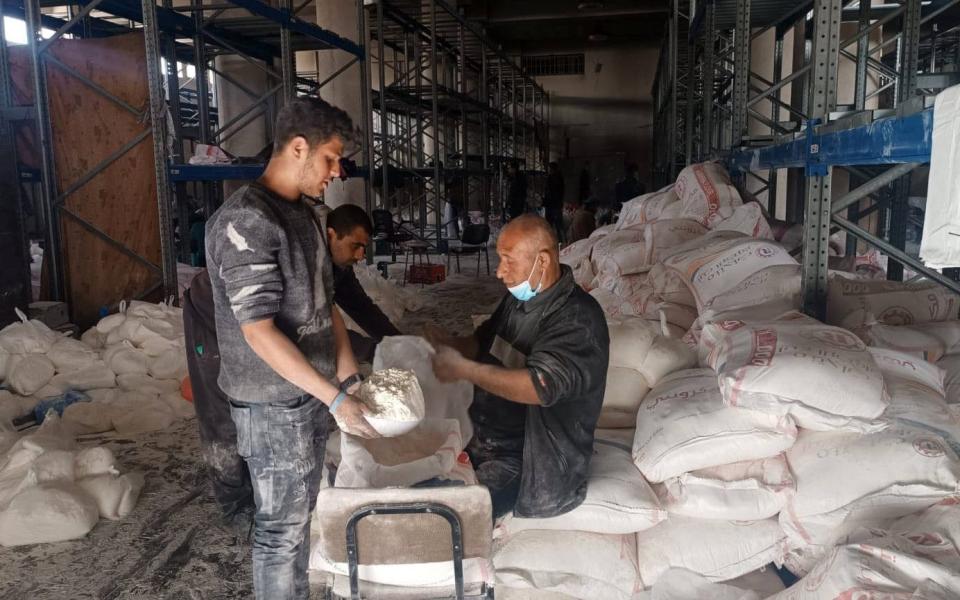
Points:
[(283, 444)]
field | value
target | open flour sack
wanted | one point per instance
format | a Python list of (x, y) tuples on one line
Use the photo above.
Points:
[(434, 449), (395, 401), (822, 376), (441, 400), (684, 425), (618, 499)]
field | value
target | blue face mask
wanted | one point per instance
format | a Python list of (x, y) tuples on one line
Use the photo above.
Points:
[(524, 291)]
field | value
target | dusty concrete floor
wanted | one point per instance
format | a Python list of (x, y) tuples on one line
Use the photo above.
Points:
[(173, 545)]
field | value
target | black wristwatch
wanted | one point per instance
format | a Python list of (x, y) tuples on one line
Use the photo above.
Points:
[(349, 382)]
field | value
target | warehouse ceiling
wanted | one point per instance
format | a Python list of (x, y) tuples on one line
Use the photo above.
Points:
[(536, 25)]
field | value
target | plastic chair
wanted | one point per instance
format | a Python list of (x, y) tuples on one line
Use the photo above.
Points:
[(473, 241), (385, 229)]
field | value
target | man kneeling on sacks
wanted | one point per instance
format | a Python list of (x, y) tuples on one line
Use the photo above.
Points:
[(539, 367)]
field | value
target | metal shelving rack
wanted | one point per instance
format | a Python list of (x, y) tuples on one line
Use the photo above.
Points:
[(449, 108), (266, 36), (901, 55)]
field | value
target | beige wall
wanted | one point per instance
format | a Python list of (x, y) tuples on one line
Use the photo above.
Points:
[(605, 112)]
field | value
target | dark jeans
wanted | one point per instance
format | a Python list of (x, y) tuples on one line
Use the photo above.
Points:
[(283, 444), (498, 465)]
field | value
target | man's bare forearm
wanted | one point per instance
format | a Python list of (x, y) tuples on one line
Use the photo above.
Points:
[(511, 384), (283, 356), (466, 345)]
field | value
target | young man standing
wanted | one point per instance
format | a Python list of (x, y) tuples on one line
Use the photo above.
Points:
[(348, 235), (286, 362)]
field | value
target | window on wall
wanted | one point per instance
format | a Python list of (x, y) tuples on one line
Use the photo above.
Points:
[(15, 31), (553, 64)]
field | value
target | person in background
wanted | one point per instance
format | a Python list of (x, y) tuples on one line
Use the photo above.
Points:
[(286, 364), (582, 221), (348, 231), (629, 187), (453, 207), (539, 368), (583, 191), (517, 194), (553, 199)]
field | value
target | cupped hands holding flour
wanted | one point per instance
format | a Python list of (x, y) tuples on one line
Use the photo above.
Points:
[(352, 417), (392, 401)]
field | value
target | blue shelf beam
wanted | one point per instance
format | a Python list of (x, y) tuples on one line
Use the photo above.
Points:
[(171, 21), (258, 7), (215, 172), (230, 172), (890, 140)]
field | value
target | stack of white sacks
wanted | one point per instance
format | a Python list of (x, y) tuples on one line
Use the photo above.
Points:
[(51, 490), (131, 365), (774, 439)]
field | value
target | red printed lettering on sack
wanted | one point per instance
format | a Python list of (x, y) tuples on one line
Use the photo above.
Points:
[(764, 347), (713, 203)]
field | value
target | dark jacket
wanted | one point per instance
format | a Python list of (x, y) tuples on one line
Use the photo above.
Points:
[(348, 294), (561, 337)]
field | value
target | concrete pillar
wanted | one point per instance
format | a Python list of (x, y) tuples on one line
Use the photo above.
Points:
[(340, 17), (244, 139)]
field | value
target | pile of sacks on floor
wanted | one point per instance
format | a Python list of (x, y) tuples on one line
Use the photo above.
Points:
[(52, 490), (763, 438), (131, 365)]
